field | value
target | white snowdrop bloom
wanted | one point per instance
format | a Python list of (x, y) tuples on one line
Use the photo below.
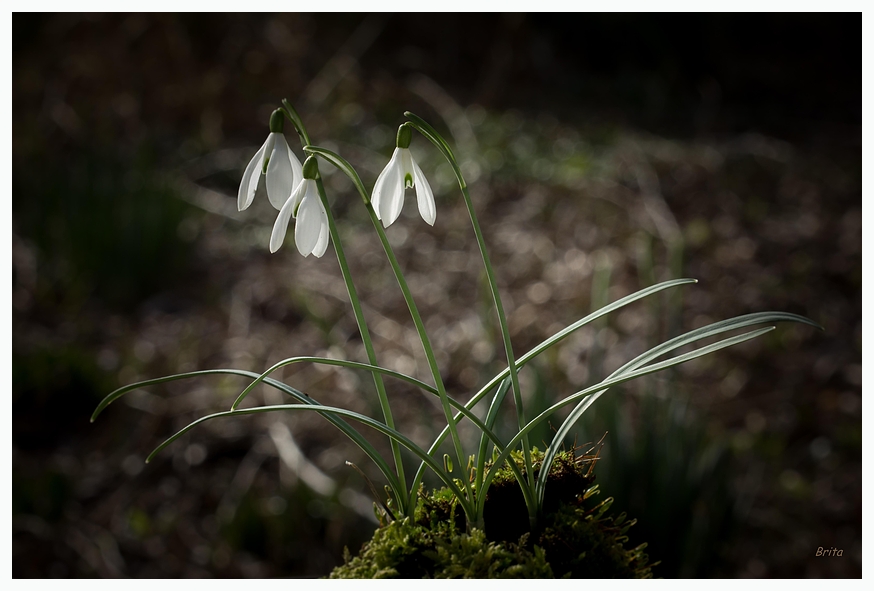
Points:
[(311, 226), (283, 171), (401, 173)]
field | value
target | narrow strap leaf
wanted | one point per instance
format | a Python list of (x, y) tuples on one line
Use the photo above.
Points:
[(565, 332), (329, 411), (335, 362), (619, 379), (485, 429), (491, 416), (546, 344), (662, 349), (345, 427)]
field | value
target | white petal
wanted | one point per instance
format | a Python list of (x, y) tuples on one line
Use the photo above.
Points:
[(424, 195), (408, 167), (308, 226), (297, 196), (296, 167), (386, 179), (268, 149), (393, 201), (280, 174), (322, 245), (249, 183), (280, 227)]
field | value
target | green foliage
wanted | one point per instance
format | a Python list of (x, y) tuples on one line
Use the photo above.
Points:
[(574, 539), (404, 549), (504, 521)]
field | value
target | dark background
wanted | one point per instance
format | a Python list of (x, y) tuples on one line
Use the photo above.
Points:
[(605, 152)]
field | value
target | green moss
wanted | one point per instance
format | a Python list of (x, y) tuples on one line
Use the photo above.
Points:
[(575, 537), (406, 550)]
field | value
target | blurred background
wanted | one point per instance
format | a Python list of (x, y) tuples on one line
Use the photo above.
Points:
[(604, 153)]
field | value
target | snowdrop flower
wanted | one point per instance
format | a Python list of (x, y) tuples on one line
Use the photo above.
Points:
[(399, 174), (311, 228), (278, 163)]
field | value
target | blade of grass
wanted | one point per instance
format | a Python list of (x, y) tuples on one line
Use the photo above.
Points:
[(262, 378), (491, 416), (330, 410), (467, 413), (328, 361), (342, 425), (619, 379), (546, 344), (654, 353)]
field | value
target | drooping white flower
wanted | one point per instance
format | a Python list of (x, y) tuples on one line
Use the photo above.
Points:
[(311, 227), (283, 171), (401, 173)]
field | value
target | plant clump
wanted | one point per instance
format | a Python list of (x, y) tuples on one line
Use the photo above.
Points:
[(523, 522), (575, 538)]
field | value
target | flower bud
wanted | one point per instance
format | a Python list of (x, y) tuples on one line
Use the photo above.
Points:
[(405, 135), (311, 168), (277, 121)]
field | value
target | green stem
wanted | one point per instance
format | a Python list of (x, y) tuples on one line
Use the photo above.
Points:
[(546, 344), (295, 119), (402, 495), (408, 298), (543, 346), (443, 146), (368, 346), (423, 336)]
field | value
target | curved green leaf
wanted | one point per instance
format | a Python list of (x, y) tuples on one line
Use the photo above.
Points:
[(607, 383), (486, 430), (335, 362), (491, 416), (329, 411), (546, 344), (342, 425), (654, 353)]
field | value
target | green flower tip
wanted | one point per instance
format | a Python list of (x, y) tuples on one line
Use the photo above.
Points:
[(277, 120), (311, 168), (405, 134)]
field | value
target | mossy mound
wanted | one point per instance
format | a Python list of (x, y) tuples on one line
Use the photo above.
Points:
[(574, 539)]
